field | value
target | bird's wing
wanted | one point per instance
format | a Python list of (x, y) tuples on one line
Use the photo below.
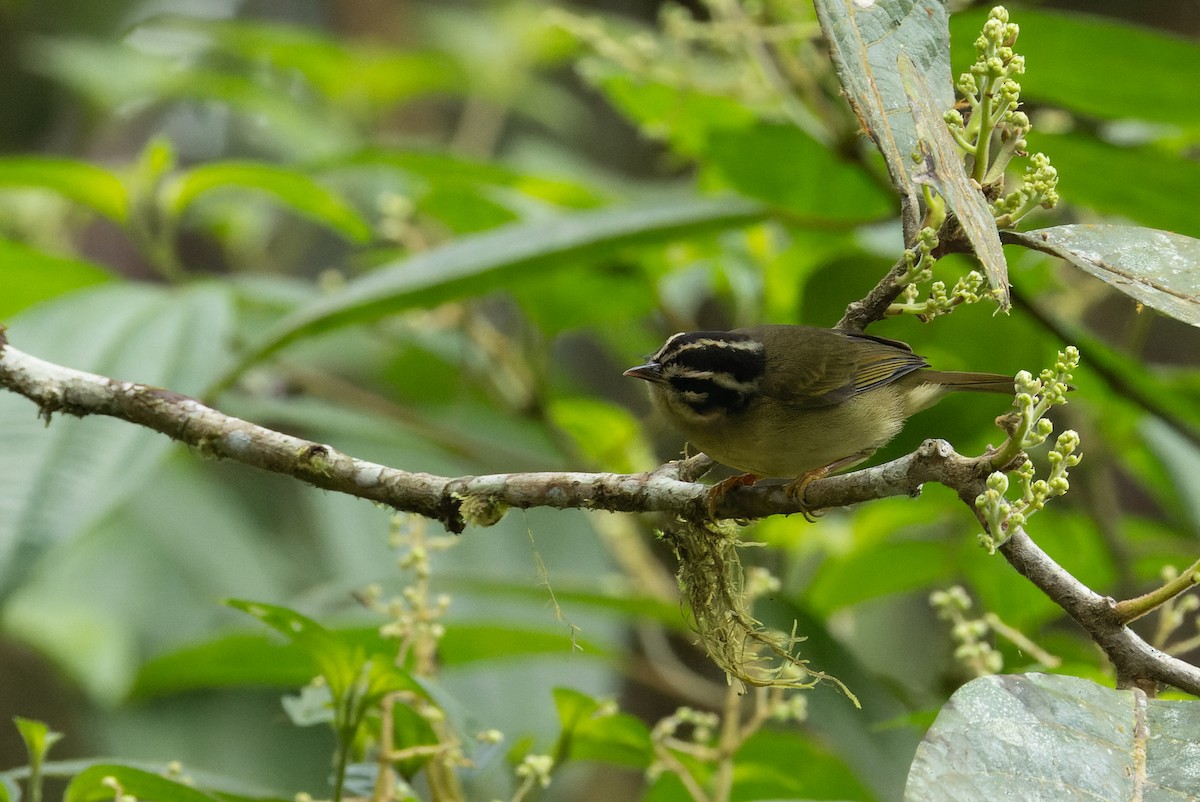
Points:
[(821, 371)]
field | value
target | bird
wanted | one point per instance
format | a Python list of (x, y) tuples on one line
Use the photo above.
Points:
[(794, 402)]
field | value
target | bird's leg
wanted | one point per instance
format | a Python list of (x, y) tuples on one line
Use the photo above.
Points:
[(797, 487), (717, 493)]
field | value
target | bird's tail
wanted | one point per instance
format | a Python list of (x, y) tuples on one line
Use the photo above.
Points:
[(975, 382)]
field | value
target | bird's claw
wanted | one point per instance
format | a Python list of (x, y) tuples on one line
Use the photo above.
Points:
[(796, 489), (716, 494)]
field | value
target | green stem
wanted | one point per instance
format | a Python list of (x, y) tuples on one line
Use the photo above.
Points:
[(984, 143), (1132, 609)]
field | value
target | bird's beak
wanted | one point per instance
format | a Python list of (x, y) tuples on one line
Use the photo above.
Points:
[(651, 372)]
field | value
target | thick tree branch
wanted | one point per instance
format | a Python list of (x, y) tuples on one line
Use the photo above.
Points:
[(1138, 664), (481, 500), (476, 500)]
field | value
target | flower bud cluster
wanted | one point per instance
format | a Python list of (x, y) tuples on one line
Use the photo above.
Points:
[(919, 261), (994, 128), (972, 650), (1039, 187), (1034, 398)]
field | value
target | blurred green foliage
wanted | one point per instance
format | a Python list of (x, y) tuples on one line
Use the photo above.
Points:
[(426, 239)]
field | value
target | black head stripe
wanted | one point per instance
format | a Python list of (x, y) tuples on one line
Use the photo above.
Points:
[(713, 370), (704, 395), (739, 355)]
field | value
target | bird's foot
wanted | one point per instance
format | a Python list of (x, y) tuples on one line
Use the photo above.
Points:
[(717, 493), (796, 488)]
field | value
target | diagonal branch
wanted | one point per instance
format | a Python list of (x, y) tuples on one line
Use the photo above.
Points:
[(1137, 663)]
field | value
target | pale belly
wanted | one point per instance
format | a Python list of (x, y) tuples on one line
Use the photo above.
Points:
[(798, 441)]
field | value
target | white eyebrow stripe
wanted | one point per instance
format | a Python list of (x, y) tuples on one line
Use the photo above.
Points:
[(719, 378), (672, 346), (731, 345)]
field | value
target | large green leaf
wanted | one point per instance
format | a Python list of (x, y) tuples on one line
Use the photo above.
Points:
[(57, 481), (865, 40), (477, 264), (1056, 738), (246, 660), (1160, 269)]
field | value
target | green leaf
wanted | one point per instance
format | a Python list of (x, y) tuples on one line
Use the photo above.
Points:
[(141, 333), (409, 729), (1160, 269), (1181, 458), (343, 661), (784, 764), (783, 166), (37, 736), (29, 276), (477, 264), (1095, 66), (942, 169), (592, 732), (229, 661), (382, 76), (466, 643), (865, 40), (297, 190), (339, 662), (1066, 737), (81, 182), (93, 784)]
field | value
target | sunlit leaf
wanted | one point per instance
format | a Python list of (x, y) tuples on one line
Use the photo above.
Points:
[(1160, 269), (1066, 737), (84, 183), (295, 189)]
